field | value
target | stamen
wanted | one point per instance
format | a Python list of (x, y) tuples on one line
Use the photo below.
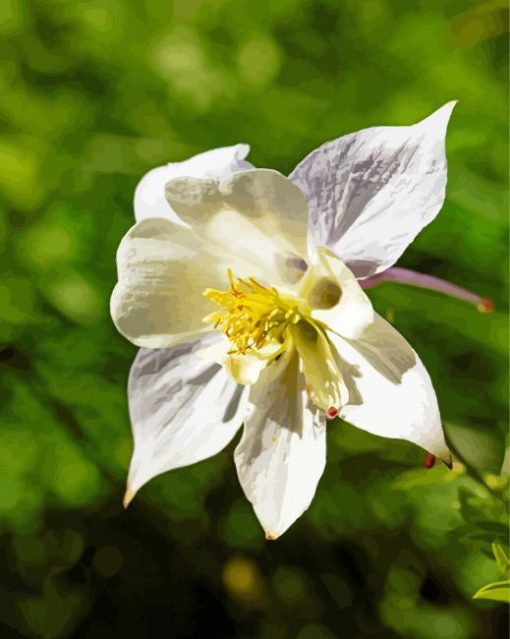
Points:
[(252, 315), (431, 283), (262, 322)]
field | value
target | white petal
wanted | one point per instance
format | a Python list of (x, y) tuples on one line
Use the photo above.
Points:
[(390, 391), (370, 193), (243, 368), (162, 273), (335, 296), (324, 382), (183, 409), (258, 215), (150, 198), (282, 453), (163, 270)]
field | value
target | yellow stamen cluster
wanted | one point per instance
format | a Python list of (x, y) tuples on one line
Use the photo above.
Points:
[(253, 315)]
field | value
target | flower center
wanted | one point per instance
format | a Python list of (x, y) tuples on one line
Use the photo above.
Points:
[(261, 323), (252, 316)]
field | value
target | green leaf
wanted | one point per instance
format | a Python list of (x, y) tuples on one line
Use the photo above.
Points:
[(481, 450), (487, 508), (479, 533), (497, 591), (501, 558), (472, 507)]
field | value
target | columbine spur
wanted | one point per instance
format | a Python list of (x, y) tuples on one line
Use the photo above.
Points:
[(241, 287)]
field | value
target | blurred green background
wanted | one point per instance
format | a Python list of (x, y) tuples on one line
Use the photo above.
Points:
[(95, 93)]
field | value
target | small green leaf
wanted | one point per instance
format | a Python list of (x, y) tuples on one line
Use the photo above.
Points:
[(501, 558), (497, 591), (482, 450), (475, 508)]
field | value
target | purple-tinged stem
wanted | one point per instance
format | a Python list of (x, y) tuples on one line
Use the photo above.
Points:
[(429, 282)]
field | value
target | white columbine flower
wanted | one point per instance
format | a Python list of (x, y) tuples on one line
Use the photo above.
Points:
[(240, 285)]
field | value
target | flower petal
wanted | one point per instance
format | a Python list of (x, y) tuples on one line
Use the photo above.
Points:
[(335, 296), (257, 215), (324, 382), (282, 452), (162, 272), (391, 394), (243, 368), (183, 409), (370, 193), (150, 198)]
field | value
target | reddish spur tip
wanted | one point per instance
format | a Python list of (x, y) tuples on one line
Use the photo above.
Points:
[(429, 461), (486, 306), (332, 412)]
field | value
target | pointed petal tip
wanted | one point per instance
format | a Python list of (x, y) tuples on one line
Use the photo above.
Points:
[(243, 150), (271, 536), (430, 460), (439, 118), (449, 106), (128, 497), (448, 462)]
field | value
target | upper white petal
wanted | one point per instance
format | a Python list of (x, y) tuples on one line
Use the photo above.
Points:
[(163, 270), (390, 391), (183, 409), (282, 452), (258, 216), (371, 192), (150, 198)]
